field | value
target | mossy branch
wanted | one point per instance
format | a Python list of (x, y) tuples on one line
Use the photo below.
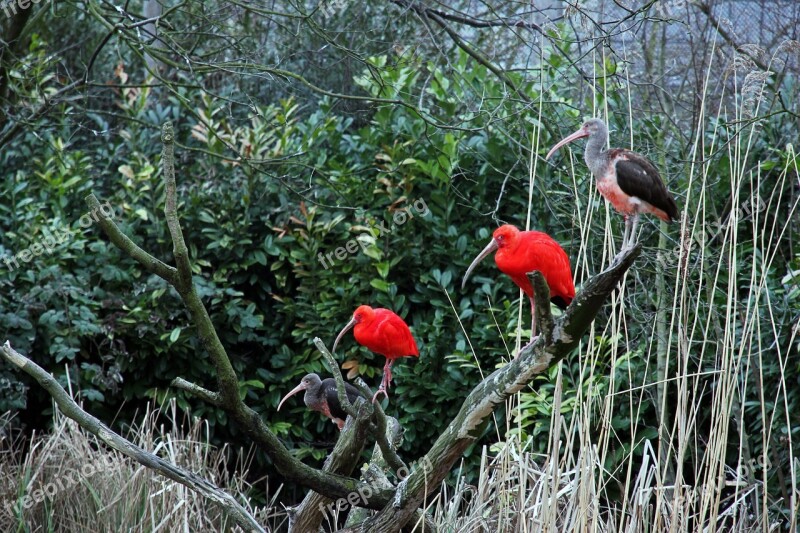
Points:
[(343, 460), (544, 317), (130, 248), (378, 415), (341, 392), (227, 397), (183, 283), (196, 390)]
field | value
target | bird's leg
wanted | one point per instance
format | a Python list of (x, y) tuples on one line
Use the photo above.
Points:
[(625, 239), (534, 336), (632, 236), (387, 379), (625, 235)]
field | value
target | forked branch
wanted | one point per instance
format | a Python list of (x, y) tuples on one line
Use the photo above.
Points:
[(227, 397)]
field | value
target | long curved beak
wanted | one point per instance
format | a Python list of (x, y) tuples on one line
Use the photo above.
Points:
[(491, 247), (580, 134), (341, 333), (292, 392)]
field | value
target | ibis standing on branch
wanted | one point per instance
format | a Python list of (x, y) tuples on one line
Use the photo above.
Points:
[(522, 252), (384, 333), (321, 396), (626, 179)]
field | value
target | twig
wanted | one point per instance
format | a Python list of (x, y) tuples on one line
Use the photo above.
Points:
[(196, 390), (341, 392), (387, 449), (469, 21), (125, 244)]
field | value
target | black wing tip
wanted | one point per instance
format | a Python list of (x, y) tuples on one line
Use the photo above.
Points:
[(672, 209), (560, 302)]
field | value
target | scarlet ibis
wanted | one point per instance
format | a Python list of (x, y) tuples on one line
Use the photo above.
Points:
[(521, 252), (626, 179), (384, 333), (321, 396)]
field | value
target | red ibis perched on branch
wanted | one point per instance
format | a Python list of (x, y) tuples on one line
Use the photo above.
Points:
[(626, 179), (321, 396), (521, 252), (384, 333)]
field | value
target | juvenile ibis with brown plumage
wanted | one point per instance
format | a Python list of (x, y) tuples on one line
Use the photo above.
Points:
[(321, 396), (626, 179)]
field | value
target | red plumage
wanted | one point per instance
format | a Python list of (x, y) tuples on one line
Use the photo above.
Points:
[(383, 332), (526, 251), (522, 252)]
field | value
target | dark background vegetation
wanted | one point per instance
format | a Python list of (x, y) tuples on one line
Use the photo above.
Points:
[(296, 131)]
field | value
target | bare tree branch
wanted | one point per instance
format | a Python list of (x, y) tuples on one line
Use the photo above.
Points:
[(228, 395)]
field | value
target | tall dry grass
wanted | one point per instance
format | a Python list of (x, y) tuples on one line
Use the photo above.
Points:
[(67, 481), (705, 343)]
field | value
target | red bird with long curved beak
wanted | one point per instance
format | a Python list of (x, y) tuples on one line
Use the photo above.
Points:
[(626, 179), (321, 396), (384, 333), (521, 252)]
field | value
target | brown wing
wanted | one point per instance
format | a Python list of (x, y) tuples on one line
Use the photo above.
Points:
[(637, 176)]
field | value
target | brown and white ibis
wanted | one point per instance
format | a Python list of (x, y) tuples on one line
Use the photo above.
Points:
[(384, 333), (321, 396), (522, 252), (626, 179)]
